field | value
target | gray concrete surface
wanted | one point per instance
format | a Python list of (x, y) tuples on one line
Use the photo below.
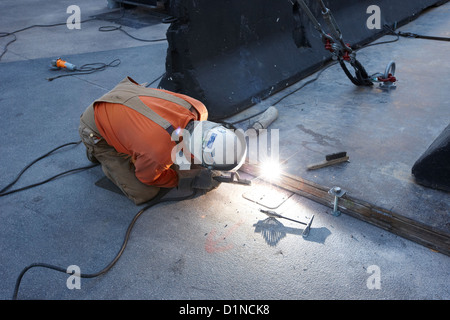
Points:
[(217, 246)]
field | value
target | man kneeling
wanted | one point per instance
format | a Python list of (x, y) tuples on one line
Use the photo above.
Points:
[(137, 133)]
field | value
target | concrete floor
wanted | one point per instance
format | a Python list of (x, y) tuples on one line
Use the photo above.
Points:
[(383, 132), (217, 246)]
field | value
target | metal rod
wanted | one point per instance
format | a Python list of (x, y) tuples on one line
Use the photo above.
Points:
[(331, 22), (274, 214), (313, 19)]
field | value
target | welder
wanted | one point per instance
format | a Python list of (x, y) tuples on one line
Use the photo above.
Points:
[(135, 133)]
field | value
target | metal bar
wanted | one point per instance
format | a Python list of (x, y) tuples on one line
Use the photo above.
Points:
[(271, 213), (408, 228)]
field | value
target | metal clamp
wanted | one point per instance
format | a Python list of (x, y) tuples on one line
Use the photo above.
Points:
[(337, 192), (233, 178), (387, 80)]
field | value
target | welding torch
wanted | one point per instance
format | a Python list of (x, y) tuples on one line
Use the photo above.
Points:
[(233, 178)]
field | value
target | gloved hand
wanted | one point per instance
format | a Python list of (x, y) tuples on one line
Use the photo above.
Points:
[(200, 179), (204, 180)]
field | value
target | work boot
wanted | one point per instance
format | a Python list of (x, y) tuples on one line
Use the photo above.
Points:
[(91, 158)]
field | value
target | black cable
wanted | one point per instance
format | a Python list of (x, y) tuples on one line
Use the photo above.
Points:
[(361, 78), (5, 34), (151, 203), (88, 68), (391, 31), (419, 36), (304, 84), (13, 33), (388, 31), (114, 28), (48, 180), (102, 29), (284, 97), (158, 199), (149, 84), (4, 191)]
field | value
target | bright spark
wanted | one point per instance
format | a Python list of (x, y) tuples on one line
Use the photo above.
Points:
[(271, 170)]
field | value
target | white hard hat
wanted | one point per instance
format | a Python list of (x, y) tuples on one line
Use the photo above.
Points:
[(216, 147)]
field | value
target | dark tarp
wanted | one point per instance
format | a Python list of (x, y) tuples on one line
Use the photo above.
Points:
[(232, 54)]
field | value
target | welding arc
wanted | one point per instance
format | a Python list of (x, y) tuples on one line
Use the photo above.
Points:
[(157, 200)]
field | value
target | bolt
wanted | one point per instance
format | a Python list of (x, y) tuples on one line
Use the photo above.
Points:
[(335, 208), (336, 212), (337, 192)]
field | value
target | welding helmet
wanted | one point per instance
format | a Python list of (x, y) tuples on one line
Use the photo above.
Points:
[(216, 147)]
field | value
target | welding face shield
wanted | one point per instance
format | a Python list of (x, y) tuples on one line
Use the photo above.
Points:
[(215, 147)]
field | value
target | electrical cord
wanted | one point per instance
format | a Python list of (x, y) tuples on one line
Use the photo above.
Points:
[(6, 34), (361, 78), (93, 67), (388, 29), (420, 36), (391, 31), (4, 192), (13, 33), (101, 29), (49, 179), (304, 84), (114, 28), (149, 84), (88, 68), (157, 200), (283, 97)]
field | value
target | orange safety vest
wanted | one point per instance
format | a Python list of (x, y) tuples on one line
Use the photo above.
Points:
[(138, 121)]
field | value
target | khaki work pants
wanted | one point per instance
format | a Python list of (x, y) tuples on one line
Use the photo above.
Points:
[(116, 166)]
